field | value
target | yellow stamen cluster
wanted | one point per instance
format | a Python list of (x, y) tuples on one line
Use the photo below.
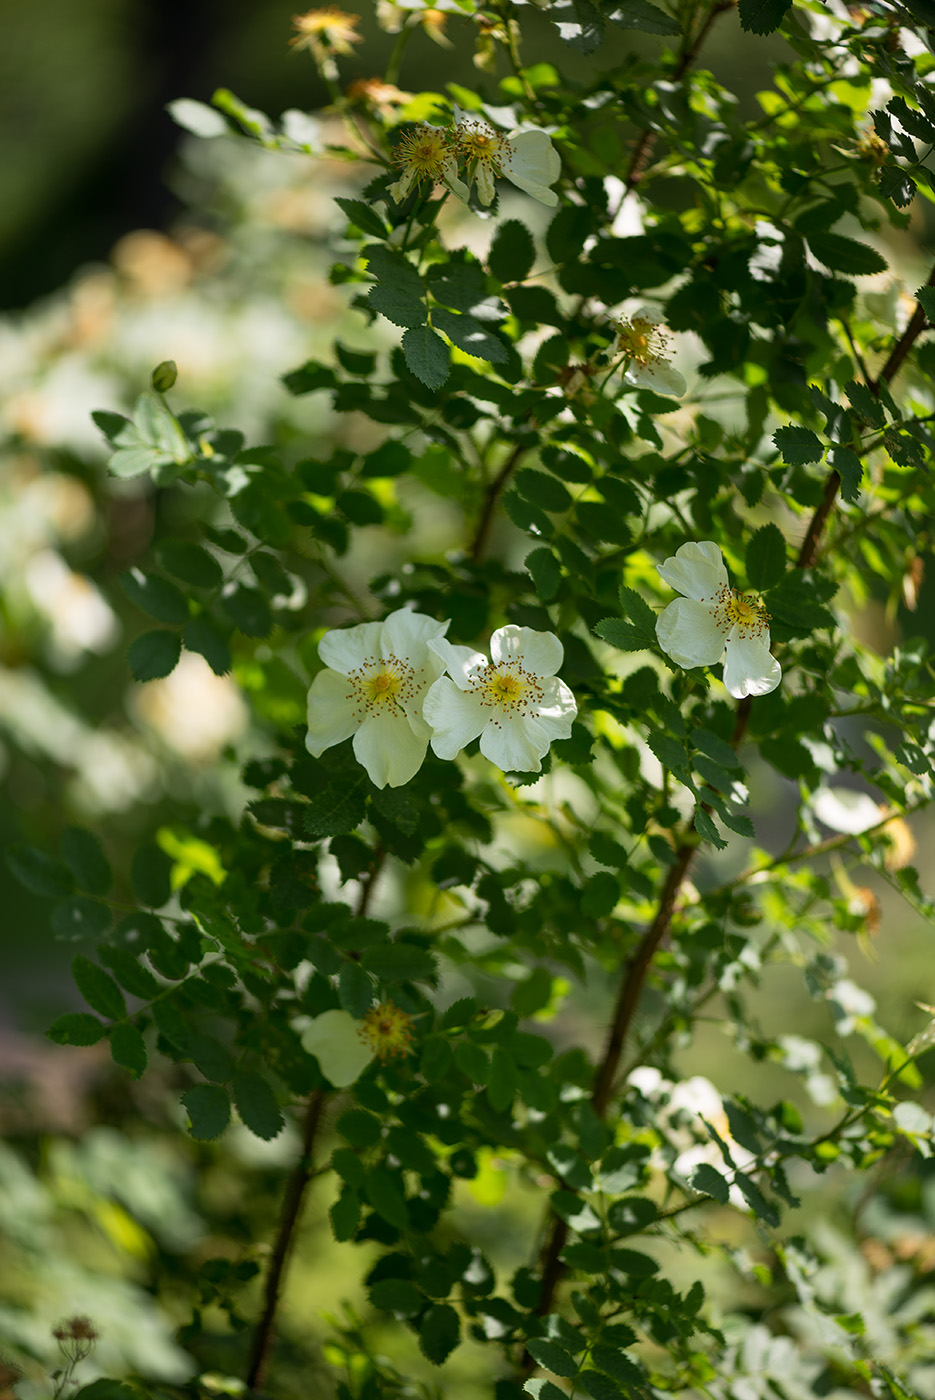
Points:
[(642, 342), (382, 683), (508, 689), (477, 143), (388, 1030), (424, 152), (326, 31), (732, 609)]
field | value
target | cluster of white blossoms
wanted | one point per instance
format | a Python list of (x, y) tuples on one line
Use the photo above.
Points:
[(482, 154), (385, 686), (711, 620)]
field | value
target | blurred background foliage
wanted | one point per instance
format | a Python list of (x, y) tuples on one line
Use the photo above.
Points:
[(124, 242)]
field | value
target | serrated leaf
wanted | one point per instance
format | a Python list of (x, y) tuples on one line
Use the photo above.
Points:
[(98, 988), (579, 23), (512, 251), (190, 562), (715, 747), (129, 972), (707, 829), (247, 609), (209, 1111), (670, 753), (84, 855), (766, 557), (427, 356), (639, 14), (849, 468), (439, 1332), (600, 1386), (469, 335), (345, 1215), (925, 296), (201, 636), (552, 1356), (623, 635), (389, 265), (798, 445), (543, 490), (76, 1028), (384, 1191), (39, 872), (896, 185), (712, 1182), (363, 217), (399, 962), (154, 595), (355, 989), (150, 875), (336, 809), (762, 16), (128, 1048), (397, 305), (257, 1106), (460, 285), (546, 572), (154, 655), (80, 917), (846, 255)]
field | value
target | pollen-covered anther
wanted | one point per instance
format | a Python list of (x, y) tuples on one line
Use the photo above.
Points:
[(508, 688), (733, 609), (387, 1029), (382, 681), (423, 152)]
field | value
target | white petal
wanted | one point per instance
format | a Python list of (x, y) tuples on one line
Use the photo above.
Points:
[(459, 662), (689, 633), (456, 717), (389, 750), (331, 717), (846, 810), (457, 187), (341, 1053), (538, 652), (659, 376), (401, 187), (696, 569), (749, 668), (557, 710), (516, 745), (405, 634), (350, 647), (531, 155), (485, 185)]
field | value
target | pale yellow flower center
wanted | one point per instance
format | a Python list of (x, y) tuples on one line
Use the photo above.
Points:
[(641, 342), (507, 688), (423, 152), (482, 144), (382, 684), (731, 609)]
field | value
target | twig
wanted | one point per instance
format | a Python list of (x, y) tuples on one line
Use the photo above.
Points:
[(291, 1210), (479, 542)]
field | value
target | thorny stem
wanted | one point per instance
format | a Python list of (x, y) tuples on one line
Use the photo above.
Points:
[(640, 961), (291, 1210)]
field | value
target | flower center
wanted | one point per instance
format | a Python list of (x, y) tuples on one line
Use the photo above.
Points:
[(506, 688), (483, 144), (381, 684), (731, 609), (641, 341), (423, 151), (388, 1029)]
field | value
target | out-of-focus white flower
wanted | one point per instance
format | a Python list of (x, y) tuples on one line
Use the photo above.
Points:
[(81, 620), (335, 1039), (425, 153), (526, 158), (515, 703), (712, 620), (377, 677), (845, 810), (644, 344), (192, 710)]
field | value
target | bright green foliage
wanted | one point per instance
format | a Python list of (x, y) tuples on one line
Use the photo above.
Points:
[(485, 380)]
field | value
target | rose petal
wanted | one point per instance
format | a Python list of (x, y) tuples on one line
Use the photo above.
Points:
[(348, 648), (333, 1039), (538, 652), (456, 717), (389, 750), (688, 632), (331, 717), (749, 668), (515, 744), (696, 570)]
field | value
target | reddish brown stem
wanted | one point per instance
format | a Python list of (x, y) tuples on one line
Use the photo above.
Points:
[(288, 1224), (481, 534)]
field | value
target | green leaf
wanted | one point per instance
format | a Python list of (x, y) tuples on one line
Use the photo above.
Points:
[(436, 1058), (617, 1364), (128, 1048), (336, 809), (712, 1182), (639, 14), (247, 609), (106, 1389), (76, 1028), (501, 1080), (399, 962), (600, 1387), (39, 872), (154, 595), (427, 356), (189, 562), (355, 990), (579, 23), (209, 1111), (388, 265), (623, 635), (363, 217), (542, 1389), (129, 972), (766, 557), (439, 1332), (849, 468), (154, 655), (542, 489), (201, 636), (512, 251), (762, 16), (80, 917), (911, 120), (384, 1191), (345, 1215), (552, 1356), (359, 1127), (396, 1295), (150, 875), (397, 305), (546, 572), (84, 855), (707, 829), (846, 255), (600, 895), (925, 296), (796, 605), (98, 988), (670, 753), (866, 403), (257, 1106), (798, 445), (458, 284), (715, 747), (469, 335), (896, 185)]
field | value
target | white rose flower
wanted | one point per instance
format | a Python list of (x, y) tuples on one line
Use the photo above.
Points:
[(424, 153), (335, 1040), (514, 704), (712, 621), (643, 344), (526, 158), (377, 677)]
